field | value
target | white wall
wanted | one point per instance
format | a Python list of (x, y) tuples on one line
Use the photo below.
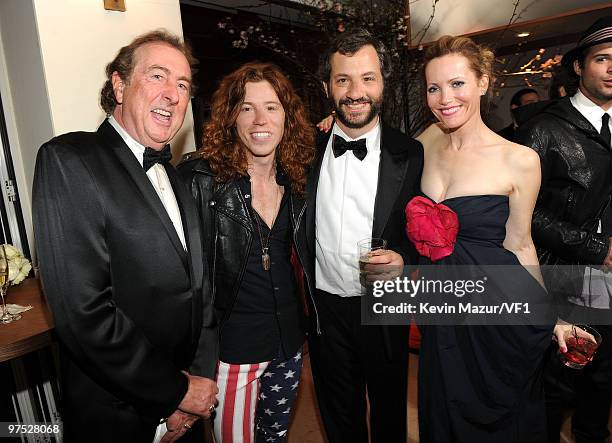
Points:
[(54, 56), (24, 94), (78, 38)]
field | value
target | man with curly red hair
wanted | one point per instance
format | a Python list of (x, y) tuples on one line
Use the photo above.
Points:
[(249, 180)]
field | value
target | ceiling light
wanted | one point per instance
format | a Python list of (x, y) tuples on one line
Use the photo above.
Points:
[(523, 34)]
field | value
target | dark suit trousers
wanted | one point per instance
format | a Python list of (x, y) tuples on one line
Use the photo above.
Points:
[(588, 391), (347, 361)]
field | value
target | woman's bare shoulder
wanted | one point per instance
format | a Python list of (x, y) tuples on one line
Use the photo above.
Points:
[(521, 158)]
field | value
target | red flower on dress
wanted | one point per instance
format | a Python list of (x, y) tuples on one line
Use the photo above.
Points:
[(432, 227)]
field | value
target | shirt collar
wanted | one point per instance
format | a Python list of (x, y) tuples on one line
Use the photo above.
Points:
[(372, 137), (591, 111), (282, 179), (136, 148), (244, 183)]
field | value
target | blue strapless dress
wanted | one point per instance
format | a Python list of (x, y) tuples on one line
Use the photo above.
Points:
[(483, 383)]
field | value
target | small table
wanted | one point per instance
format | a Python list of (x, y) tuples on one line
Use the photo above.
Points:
[(34, 330)]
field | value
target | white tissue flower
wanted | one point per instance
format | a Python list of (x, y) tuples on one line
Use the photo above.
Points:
[(19, 266), (11, 251)]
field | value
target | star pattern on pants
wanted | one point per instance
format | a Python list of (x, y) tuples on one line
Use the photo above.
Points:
[(279, 383)]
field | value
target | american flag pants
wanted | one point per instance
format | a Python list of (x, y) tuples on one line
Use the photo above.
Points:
[(255, 400)]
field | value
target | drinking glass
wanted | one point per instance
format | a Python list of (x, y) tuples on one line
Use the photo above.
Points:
[(4, 284), (580, 347), (365, 249)]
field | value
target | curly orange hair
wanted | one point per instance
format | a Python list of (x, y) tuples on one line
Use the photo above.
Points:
[(223, 148)]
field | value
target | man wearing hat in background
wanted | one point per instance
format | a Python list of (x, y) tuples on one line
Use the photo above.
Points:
[(572, 227)]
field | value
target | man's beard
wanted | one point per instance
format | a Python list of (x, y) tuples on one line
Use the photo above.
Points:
[(375, 107), (603, 95), (599, 93)]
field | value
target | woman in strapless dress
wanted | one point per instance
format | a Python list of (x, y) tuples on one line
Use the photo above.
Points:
[(477, 383)]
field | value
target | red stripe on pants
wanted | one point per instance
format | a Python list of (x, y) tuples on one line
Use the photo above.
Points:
[(230, 400), (246, 422)]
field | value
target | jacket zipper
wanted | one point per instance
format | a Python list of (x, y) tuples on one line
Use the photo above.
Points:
[(297, 224), (240, 275)]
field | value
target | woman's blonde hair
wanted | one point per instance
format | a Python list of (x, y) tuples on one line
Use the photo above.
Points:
[(480, 57)]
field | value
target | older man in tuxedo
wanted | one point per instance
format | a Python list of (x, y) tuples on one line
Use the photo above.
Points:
[(121, 259)]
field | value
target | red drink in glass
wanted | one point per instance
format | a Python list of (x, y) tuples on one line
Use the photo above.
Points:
[(580, 349)]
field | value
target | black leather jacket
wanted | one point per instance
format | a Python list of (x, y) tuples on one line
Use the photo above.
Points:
[(576, 185), (231, 221)]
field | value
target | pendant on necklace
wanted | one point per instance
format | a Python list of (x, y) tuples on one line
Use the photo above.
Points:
[(265, 259)]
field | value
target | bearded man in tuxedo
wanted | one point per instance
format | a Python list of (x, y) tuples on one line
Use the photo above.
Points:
[(364, 174)]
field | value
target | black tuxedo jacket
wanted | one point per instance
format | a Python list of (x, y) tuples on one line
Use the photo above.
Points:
[(131, 307), (399, 177)]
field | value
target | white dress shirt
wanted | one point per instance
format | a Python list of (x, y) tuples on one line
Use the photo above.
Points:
[(344, 213), (589, 110), (597, 284), (158, 178)]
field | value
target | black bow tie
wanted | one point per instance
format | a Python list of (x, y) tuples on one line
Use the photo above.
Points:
[(151, 156), (340, 146)]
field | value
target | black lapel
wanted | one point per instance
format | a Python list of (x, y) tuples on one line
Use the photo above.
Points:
[(574, 117), (229, 200), (196, 259), (395, 151), (311, 188), (191, 224), (138, 175)]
